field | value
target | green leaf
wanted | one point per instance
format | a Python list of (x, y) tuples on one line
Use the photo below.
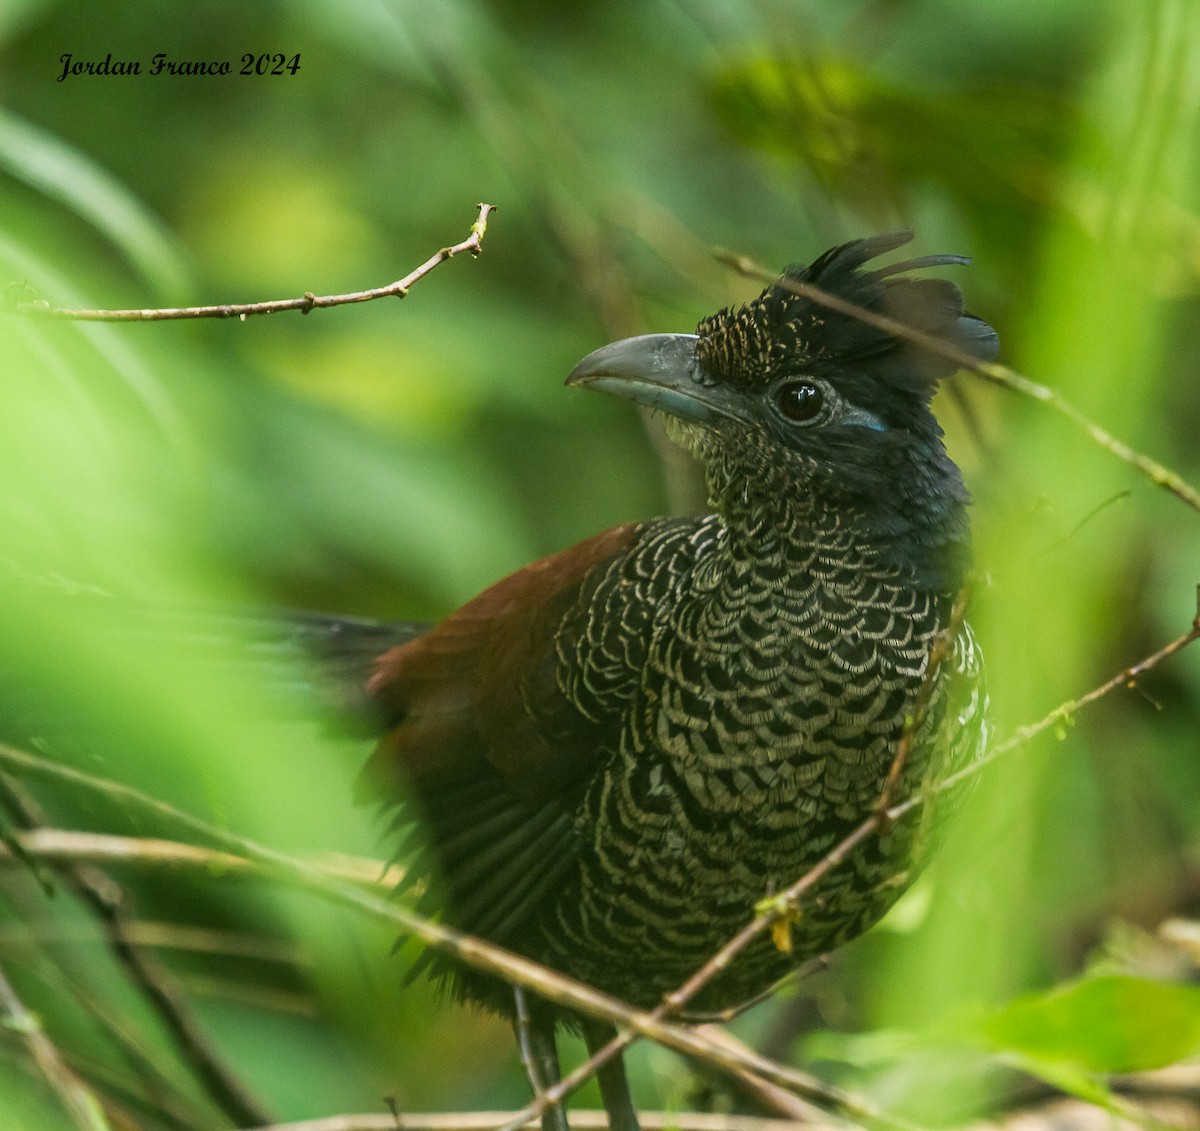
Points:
[(1068, 1078), (50, 166), (1112, 1023)]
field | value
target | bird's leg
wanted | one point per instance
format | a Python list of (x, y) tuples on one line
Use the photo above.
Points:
[(534, 1024), (614, 1085)]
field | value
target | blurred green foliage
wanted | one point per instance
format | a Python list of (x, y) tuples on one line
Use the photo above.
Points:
[(1107, 1024), (392, 458)]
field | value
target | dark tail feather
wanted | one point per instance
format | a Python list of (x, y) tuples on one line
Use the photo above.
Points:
[(308, 661), (302, 664)]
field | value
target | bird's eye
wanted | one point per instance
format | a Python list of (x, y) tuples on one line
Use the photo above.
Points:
[(800, 401)]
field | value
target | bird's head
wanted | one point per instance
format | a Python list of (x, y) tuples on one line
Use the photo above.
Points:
[(796, 409)]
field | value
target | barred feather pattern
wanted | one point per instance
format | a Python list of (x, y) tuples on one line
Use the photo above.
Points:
[(764, 677), (725, 695)]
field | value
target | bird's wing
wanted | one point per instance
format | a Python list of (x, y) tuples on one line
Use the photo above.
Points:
[(481, 691), (489, 744)]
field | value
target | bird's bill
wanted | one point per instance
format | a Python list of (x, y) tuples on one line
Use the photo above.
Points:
[(660, 371)]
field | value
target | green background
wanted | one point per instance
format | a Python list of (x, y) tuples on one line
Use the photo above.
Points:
[(392, 458)]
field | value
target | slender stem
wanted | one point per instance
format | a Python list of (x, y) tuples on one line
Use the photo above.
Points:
[(1025, 734), (546, 983), (997, 374), (306, 303), (108, 902), (62, 844), (80, 1101), (782, 906), (564, 991), (474, 952), (581, 1121)]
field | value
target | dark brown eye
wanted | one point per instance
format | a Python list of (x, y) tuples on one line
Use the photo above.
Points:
[(800, 401)]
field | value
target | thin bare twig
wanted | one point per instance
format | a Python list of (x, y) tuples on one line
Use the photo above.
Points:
[(912, 724), (64, 844), (59, 844), (582, 1120), (547, 983), (784, 904), (108, 902), (776, 912), (306, 303), (1061, 714), (997, 374), (723, 1016), (80, 1101), (474, 952)]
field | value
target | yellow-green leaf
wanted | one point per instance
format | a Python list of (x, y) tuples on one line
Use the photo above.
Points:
[(1113, 1023)]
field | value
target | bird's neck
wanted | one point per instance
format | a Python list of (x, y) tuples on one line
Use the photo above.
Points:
[(919, 538)]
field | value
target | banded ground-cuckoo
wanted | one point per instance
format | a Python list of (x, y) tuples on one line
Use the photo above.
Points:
[(616, 753)]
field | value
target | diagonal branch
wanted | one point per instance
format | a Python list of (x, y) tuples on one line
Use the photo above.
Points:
[(109, 903), (474, 952), (545, 982), (60, 844), (52, 845), (779, 908), (1064, 712), (580, 1121), (997, 374), (306, 303), (912, 724), (776, 913), (85, 1109)]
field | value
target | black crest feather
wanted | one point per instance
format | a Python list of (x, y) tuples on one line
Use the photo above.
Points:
[(783, 332)]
